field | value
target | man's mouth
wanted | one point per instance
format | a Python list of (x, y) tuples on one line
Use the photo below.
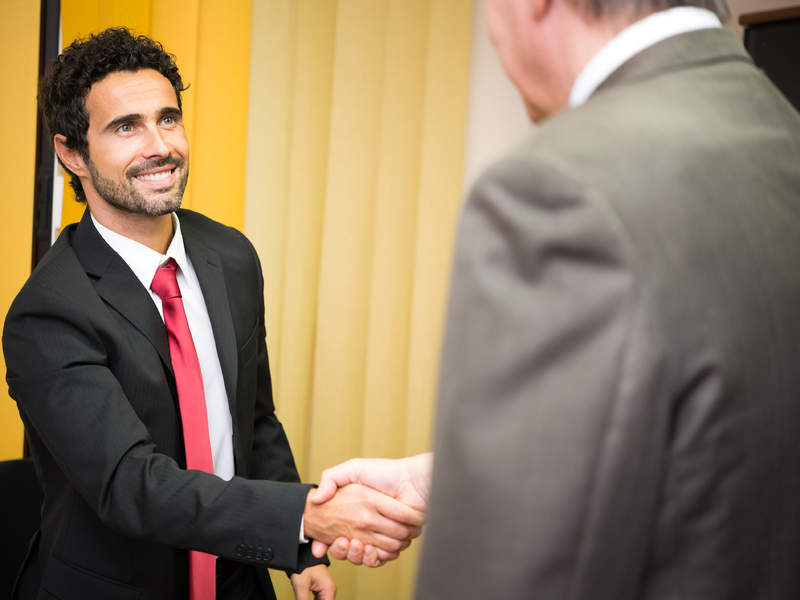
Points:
[(155, 176)]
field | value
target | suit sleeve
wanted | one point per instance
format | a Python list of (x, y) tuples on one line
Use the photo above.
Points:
[(88, 437), (547, 448)]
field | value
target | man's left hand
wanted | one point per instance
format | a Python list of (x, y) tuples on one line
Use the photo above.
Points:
[(316, 580)]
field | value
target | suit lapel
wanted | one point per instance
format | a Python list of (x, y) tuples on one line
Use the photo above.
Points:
[(208, 268), (117, 285)]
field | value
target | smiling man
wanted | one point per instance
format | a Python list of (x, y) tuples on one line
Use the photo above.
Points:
[(139, 162), (163, 176), (136, 353)]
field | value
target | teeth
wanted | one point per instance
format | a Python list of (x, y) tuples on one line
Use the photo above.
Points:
[(155, 176)]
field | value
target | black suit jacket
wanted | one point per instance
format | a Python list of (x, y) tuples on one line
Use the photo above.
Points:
[(88, 364)]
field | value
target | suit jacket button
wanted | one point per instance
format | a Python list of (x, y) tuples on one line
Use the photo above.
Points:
[(268, 554), (240, 550)]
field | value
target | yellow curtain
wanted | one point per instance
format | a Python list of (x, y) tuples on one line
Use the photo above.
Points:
[(19, 44), (211, 41), (354, 170), (353, 144)]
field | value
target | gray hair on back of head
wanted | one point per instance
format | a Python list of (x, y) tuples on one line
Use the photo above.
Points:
[(610, 8)]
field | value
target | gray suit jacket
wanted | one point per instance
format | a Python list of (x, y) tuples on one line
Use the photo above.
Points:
[(619, 410), (88, 364)]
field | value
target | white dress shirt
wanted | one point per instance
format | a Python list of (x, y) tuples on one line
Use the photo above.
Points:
[(635, 38), (143, 262)]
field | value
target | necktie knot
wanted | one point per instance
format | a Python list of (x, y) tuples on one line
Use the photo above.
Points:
[(165, 281)]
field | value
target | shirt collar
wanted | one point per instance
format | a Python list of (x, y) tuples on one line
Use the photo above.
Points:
[(142, 260), (635, 38)]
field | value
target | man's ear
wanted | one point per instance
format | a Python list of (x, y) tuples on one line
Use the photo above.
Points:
[(71, 158)]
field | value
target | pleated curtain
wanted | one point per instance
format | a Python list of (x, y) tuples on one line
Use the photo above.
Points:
[(354, 170), (19, 47)]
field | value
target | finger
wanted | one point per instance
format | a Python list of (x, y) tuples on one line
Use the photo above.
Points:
[(340, 548), (392, 529), (326, 593), (356, 552), (399, 512), (318, 548), (301, 585), (372, 556), (387, 544), (385, 557), (322, 584)]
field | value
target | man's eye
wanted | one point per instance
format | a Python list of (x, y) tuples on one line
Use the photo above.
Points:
[(168, 120), (127, 128)]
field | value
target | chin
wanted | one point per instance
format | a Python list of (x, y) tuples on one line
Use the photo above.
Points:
[(159, 209), (537, 113)]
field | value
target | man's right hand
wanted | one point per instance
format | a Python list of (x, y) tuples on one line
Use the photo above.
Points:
[(359, 512), (407, 480)]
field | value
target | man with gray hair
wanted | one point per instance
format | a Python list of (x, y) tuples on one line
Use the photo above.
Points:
[(619, 404)]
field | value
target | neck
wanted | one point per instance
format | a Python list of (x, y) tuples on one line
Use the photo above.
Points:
[(573, 39), (154, 232)]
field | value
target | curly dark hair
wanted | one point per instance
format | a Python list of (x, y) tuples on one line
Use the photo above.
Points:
[(67, 80)]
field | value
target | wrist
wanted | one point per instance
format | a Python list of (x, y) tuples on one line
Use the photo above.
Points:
[(309, 520)]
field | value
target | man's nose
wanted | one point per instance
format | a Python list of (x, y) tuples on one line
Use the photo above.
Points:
[(154, 144)]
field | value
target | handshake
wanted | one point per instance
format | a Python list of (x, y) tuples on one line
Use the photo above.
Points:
[(368, 510)]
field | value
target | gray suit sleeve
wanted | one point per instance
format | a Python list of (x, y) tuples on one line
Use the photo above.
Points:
[(546, 452)]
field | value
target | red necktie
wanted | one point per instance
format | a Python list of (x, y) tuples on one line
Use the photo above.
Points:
[(189, 381)]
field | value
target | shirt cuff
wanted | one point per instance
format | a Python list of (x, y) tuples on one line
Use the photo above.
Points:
[(303, 538)]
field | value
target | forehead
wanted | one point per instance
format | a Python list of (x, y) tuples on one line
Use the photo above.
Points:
[(142, 92)]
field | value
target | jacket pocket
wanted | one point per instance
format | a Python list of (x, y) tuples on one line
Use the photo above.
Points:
[(249, 349)]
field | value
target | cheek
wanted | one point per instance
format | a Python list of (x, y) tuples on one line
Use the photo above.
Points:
[(513, 67), (180, 144), (110, 159), (112, 165)]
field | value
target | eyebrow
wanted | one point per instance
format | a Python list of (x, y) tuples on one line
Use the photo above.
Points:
[(167, 110)]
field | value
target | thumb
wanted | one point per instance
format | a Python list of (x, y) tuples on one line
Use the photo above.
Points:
[(326, 490), (334, 478), (318, 549)]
